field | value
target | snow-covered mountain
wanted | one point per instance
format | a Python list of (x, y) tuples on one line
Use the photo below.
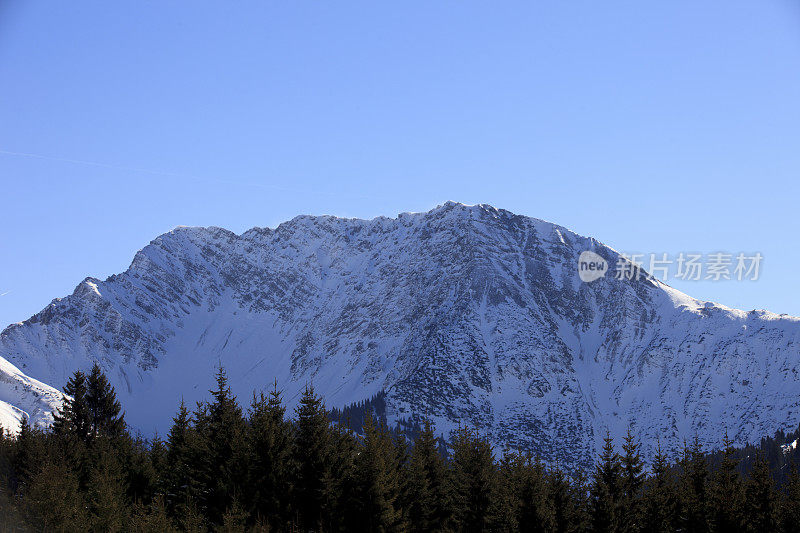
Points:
[(24, 397), (466, 314)]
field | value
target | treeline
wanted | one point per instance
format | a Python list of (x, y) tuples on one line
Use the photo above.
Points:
[(225, 468)]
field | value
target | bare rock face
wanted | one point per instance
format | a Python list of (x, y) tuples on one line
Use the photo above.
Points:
[(465, 314)]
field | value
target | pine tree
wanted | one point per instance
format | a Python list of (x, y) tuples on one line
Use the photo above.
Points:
[(726, 496), (54, 501), (581, 519), (430, 503), (221, 450), (565, 514), (537, 510), (181, 477), (659, 501), (151, 518), (402, 460), (158, 466), (606, 489), (376, 477), (473, 480), (234, 520), (505, 511), (694, 490), (73, 421), (631, 485), (103, 407), (760, 496), (27, 454), (340, 484), (189, 517), (269, 469), (106, 495), (790, 502), (311, 456)]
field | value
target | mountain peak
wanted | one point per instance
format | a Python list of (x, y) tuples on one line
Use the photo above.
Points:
[(464, 313)]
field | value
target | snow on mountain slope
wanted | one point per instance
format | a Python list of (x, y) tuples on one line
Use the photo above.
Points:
[(21, 396), (468, 314)]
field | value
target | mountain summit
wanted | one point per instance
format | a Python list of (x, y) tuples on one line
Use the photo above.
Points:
[(469, 315)]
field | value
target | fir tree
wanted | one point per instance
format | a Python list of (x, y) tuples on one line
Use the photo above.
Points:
[(505, 511), (73, 419), (106, 498), (402, 460), (694, 490), (376, 477), (151, 518), (27, 455), (269, 468), (340, 483), (473, 481), (103, 407), (311, 456), (631, 485), (760, 496), (234, 520), (430, 503), (54, 500), (606, 489), (537, 511), (659, 505), (790, 502), (221, 453), (726, 496), (180, 477), (565, 516)]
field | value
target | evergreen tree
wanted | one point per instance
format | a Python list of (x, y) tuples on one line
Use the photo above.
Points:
[(181, 478), (726, 496), (340, 484), (505, 511), (102, 405), (234, 520), (221, 452), (565, 514), (581, 519), (694, 490), (402, 460), (537, 512), (790, 502), (631, 485), (311, 456), (760, 496), (269, 468), (429, 503), (27, 454), (73, 421), (54, 501), (606, 489), (106, 497), (159, 466), (377, 480), (473, 481), (151, 519), (659, 505)]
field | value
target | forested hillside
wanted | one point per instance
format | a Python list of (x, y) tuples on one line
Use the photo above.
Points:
[(257, 468)]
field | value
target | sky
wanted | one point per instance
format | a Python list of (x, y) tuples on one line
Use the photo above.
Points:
[(655, 127)]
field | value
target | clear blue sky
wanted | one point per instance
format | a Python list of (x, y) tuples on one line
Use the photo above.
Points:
[(653, 126)]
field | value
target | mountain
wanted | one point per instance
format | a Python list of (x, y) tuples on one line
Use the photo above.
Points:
[(466, 314), (21, 396)]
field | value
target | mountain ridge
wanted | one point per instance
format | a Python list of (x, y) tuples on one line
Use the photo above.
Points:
[(467, 313)]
